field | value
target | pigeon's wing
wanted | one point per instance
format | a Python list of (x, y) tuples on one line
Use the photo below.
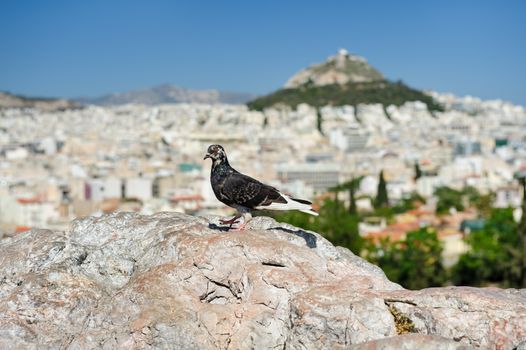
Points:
[(248, 192)]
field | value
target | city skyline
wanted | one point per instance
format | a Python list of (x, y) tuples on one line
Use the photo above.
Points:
[(64, 49)]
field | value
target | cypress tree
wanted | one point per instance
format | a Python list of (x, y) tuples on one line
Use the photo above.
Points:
[(319, 121), (353, 187), (522, 232), (353, 210), (381, 195), (418, 171)]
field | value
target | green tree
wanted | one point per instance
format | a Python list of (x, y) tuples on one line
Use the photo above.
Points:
[(471, 193), (352, 187), (334, 223), (336, 191), (319, 121), (522, 232), (495, 253), (382, 200), (418, 171), (415, 262), (448, 198), (482, 202), (409, 202)]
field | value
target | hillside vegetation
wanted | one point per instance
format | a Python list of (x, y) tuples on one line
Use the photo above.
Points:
[(384, 92)]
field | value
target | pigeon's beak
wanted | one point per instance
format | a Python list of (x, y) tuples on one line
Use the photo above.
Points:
[(207, 156)]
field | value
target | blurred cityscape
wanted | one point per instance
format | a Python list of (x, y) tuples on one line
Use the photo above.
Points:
[(59, 164)]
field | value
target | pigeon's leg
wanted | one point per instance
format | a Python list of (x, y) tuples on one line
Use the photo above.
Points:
[(246, 218), (231, 221)]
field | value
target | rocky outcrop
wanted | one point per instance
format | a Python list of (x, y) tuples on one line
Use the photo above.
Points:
[(341, 68), (173, 281)]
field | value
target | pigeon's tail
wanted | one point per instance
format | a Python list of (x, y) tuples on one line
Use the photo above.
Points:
[(306, 203), (291, 204), (310, 211)]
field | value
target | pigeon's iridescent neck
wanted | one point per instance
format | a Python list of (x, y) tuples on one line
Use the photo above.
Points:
[(220, 165)]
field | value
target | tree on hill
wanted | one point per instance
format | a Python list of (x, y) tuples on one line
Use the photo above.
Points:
[(382, 199), (383, 92), (319, 121)]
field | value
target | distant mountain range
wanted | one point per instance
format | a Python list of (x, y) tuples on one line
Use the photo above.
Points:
[(343, 79), (168, 94)]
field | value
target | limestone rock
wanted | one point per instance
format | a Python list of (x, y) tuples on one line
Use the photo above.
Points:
[(172, 281), (412, 341), (341, 69)]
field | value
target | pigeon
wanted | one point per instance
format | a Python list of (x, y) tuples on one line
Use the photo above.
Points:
[(244, 193)]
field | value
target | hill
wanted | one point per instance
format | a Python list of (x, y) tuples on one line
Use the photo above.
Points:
[(168, 94), (173, 281), (8, 100), (338, 69), (342, 79)]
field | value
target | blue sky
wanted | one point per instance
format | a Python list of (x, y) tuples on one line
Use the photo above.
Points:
[(88, 48)]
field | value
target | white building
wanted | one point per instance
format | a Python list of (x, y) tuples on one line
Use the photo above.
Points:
[(508, 196), (351, 139), (140, 188), (426, 185), (27, 212), (318, 175), (112, 187)]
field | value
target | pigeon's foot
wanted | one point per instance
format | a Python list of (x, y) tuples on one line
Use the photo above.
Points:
[(229, 222), (240, 227), (244, 224)]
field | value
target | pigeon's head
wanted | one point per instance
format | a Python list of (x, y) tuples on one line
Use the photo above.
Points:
[(216, 153)]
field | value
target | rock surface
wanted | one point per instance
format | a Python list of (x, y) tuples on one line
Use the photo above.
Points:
[(172, 281), (341, 68)]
